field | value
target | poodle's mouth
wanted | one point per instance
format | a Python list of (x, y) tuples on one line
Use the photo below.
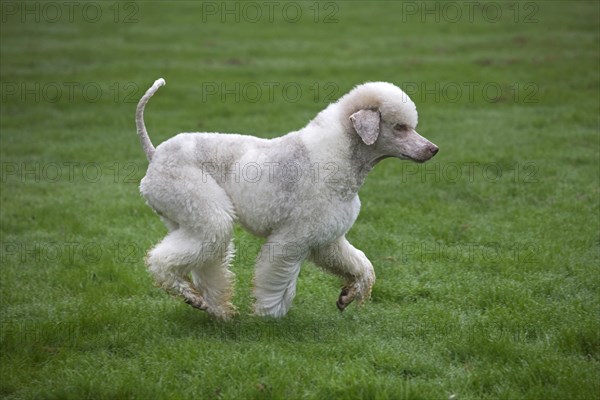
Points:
[(410, 158)]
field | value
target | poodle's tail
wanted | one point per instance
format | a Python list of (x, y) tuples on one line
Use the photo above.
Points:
[(139, 119)]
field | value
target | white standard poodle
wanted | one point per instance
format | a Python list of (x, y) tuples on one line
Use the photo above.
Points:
[(299, 191)]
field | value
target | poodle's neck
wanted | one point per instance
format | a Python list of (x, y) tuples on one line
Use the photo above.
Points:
[(343, 161)]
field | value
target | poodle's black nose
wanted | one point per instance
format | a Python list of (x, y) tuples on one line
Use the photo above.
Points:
[(433, 149)]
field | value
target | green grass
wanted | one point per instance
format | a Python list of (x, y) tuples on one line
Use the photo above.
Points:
[(487, 282)]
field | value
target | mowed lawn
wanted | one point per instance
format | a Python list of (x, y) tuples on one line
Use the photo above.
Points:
[(487, 257)]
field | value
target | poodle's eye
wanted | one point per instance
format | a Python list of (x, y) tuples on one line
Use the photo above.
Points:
[(401, 127)]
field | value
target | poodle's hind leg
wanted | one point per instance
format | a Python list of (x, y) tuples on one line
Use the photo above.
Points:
[(171, 261), (214, 280), (200, 217), (183, 253)]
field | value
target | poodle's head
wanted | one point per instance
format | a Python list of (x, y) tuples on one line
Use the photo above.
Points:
[(385, 119)]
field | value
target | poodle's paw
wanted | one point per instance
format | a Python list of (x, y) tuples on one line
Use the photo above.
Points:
[(359, 290), (223, 312), (196, 302), (276, 310), (346, 297)]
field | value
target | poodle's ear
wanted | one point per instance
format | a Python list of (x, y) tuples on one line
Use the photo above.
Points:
[(366, 124)]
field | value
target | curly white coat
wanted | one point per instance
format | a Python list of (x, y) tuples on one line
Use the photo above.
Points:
[(299, 191)]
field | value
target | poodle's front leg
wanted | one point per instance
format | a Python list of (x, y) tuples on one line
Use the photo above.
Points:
[(277, 269), (342, 259)]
